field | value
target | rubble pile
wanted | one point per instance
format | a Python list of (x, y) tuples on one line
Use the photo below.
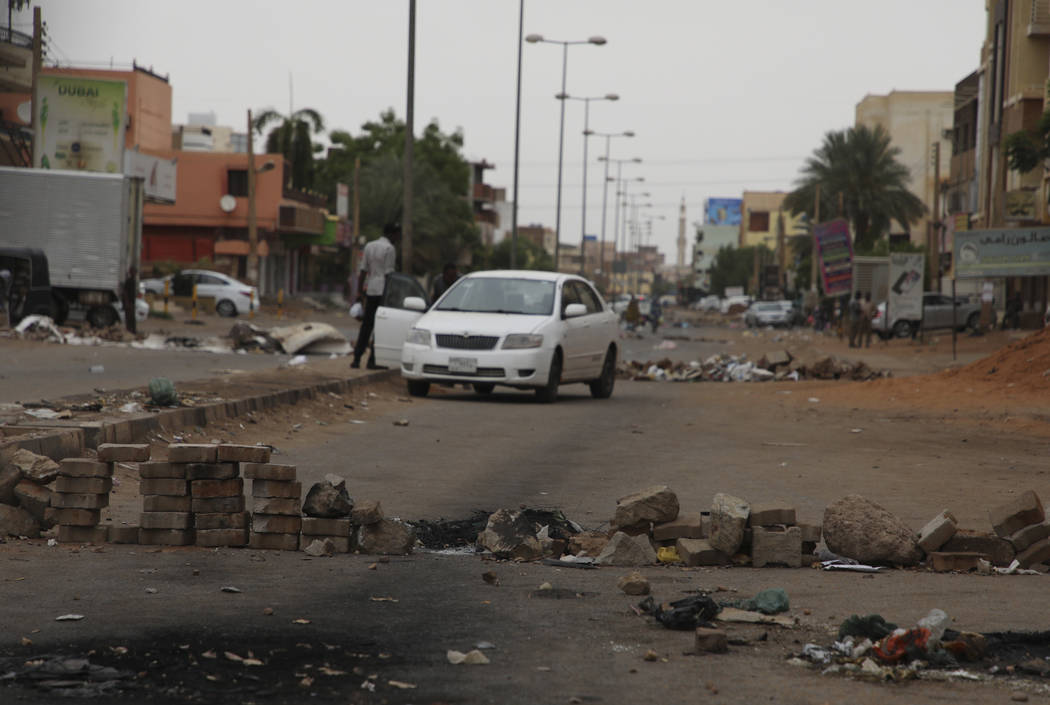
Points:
[(775, 367), (25, 495)]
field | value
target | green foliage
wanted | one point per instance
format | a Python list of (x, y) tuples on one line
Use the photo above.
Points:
[(734, 266), (1026, 150), (530, 256), (443, 223), (860, 166), (292, 138)]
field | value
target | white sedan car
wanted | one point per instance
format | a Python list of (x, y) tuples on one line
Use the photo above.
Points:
[(232, 297), (524, 329)]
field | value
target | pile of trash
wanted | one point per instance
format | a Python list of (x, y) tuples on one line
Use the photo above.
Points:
[(303, 338), (777, 367)]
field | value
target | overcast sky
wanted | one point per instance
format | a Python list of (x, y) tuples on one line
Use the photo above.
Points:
[(723, 96)]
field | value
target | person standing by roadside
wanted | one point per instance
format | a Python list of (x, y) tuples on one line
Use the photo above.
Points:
[(854, 321), (379, 260), (866, 311), (449, 274)]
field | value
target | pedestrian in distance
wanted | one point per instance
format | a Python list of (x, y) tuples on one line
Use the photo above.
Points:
[(855, 313), (867, 310), (379, 260), (449, 274)]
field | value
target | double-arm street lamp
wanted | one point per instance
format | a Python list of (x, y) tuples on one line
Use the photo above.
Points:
[(621, 190), (605, 191), (533, 39), (586, 136)]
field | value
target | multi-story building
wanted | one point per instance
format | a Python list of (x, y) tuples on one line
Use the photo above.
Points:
[(483, 202), (16, 81), (721, 228)]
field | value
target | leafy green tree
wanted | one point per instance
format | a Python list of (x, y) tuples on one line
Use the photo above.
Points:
[(860, 166), (293, 138), (1026, 150), (443, 223), (735, 266)]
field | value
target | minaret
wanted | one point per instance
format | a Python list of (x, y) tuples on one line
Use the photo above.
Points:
[(681, 234)]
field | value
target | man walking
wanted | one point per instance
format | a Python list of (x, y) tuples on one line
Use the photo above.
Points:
[(378, 261), (866, 311), (854, 321)]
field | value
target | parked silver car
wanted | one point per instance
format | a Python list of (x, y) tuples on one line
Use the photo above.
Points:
[(936, 314), (766, 313)]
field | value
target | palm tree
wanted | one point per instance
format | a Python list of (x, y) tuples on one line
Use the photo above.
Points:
[(858, 165), (292, 139)]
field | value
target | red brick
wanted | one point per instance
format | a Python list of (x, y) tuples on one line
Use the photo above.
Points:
[(229, 452), (83, 485), (84, 467), (123, 452), (267, 471)]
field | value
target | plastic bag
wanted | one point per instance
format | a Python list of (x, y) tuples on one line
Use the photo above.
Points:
[(357, 311)]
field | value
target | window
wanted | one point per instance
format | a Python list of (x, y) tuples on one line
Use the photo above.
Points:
[(237, 182), (758, 221), (588, 298)]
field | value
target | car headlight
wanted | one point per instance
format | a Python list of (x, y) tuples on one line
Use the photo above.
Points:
[(518, 341), (418, 336)]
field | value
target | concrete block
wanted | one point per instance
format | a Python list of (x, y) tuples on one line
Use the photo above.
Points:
[(367, 512), (695, 552), (1016, 514), (123, 534), (937, 532), (770, 546), (34, 498), (79, 501), (1038, 552), (276, 524), (166, 537), (277, 505), (946, 562), (211, 471), (217, 505), (160, 470), (229, 452), (711, 641), (82, 534), (271, 488), (999, 551), (82, 485), (686, 526), (84, 467), (123, 452), (810, 533), (269, 471), (210, 489), (192, 453), (217, 520), (1030, 534), (168, 486), (72, 517), (165, 503), (166, 520), (274, 542), (222, 537), (771, 515), (314, 526)]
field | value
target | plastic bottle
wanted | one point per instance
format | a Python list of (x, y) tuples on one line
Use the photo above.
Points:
[(936, 621)]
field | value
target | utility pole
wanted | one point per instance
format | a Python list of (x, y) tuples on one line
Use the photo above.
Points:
[(517, 143), (355, 231), (253, 230), (406, 215), (38, 62), (813, 256), (935, 222)]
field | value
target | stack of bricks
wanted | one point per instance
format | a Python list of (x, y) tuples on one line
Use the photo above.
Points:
[(276, 509), (217, 490), (1023, 523), (167, 517), (321, 529), (776, 537), (81, 492)]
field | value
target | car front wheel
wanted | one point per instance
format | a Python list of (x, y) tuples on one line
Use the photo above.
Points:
[(902, 329), (602, 388), (549, 392), (226, 308)]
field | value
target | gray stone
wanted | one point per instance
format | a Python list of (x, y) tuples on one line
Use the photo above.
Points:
[(37, 468), (686, 526), (368, 511), (34, 498), (327, 501), (626, 550), (728, 520), (997, 550), (9, 477), (509, 534), (770, 546), (320, 547), (386, 537), (1019, 512), (15, 521), (633, 584), (771, 514), (1028, 535), (937, 532), (653, 505), (694, 552), (858, 528)]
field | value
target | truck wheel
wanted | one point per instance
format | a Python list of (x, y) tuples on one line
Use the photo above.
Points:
[(902, 329), (101, 316), (60, 308)]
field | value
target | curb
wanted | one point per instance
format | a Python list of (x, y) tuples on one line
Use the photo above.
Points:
[(70, 439)]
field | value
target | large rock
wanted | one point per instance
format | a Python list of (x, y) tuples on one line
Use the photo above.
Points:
[(38, 468), (9, 477), (328, 501), (728, 520), (858, 528), (386, 537), (34, 498), (509, 534), (626, 550), (656, 505), (15, 521)]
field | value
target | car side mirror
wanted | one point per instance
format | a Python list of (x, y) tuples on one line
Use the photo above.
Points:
[(414, 303), (575, 310)]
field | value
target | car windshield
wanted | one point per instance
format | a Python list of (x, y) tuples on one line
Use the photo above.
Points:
[(500, 295), (768, 307)]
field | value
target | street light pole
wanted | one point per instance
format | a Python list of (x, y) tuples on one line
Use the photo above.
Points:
[(532, 39), (517, 144), (605, 195)]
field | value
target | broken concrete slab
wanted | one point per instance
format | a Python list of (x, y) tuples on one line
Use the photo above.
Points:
[(386, 537), (695, 552), (685, 526), (774, 547), (510, 534), (35, 468), (997, 550), (729, 516), (367, 511), (9, 477), (320, 547), (653, 505), (626, 550), (84, 467), (1025, 537), (937, 532), (1019, 512), (856, 527)]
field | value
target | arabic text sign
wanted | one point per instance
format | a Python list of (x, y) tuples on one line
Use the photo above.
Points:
[(1005, 252), (835, 252)]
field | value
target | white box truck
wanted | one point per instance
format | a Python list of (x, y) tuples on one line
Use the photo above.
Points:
[(89, 225)]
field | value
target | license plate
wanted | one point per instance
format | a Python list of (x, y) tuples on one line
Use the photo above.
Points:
[(463, 365)]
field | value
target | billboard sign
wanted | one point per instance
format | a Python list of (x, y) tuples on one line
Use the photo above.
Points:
[(722, 211), (834, 249), (1004, 252), (82, 123), (157, 174), (1020, 205), (905, 294)]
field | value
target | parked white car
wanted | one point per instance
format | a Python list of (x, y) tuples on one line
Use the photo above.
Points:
[(524, 329), (766, 313), (231, 296)]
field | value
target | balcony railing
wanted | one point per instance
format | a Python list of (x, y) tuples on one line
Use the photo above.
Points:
[(13, 36), (1039, 23)]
